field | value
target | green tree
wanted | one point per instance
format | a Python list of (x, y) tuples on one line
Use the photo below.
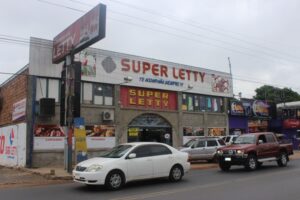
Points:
[(276, 95)]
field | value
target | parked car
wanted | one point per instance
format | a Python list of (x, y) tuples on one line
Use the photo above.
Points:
[(133, 161), (229, 139), (203, 148), (252, 150)]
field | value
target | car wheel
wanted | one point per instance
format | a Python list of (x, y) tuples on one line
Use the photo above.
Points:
[(283, 159), (224, 166), (114, 180), (176, 173), (251, 163), (259, 164)]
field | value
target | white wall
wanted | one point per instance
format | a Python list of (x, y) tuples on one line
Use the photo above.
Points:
[(13, 145)]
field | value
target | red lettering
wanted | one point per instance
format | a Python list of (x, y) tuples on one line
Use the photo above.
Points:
[(195, 75), (137, 68), (163, 71), (188, 72), (2, 144), (155, 70), (181, 74), (202, 75), (125, 64), (146, 67), (174, 73)]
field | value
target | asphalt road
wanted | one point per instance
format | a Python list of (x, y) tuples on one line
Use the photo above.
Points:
[(268, 183)]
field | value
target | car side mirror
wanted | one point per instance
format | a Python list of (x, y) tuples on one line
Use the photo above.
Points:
[(132, 155), (260, 141)]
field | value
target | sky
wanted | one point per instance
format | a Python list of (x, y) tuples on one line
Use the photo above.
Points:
[(261, 37)]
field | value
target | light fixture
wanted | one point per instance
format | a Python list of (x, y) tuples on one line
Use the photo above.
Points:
[(127, 79), (189, 87)]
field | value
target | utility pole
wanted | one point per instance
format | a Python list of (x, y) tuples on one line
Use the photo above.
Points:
[(229, 66)]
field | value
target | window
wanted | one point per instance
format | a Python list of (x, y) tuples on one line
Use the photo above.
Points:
[(200, 144), (200, 103), (53, 89), (270, 138), (87, 93), (41, 88), (98, 94), (221, 142), (47, 88), (142, 151), (212, 143), (98, 90), (160, 150), (263, 138)]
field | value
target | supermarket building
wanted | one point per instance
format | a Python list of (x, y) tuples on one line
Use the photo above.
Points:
[(124, 98)]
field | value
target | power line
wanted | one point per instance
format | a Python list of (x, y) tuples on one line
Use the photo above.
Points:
[(269, 56), (193, 24)]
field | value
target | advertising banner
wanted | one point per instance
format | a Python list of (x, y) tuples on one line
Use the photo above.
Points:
[(51, 137), (13, 145), (216, 131), (192, 133), (148, 98), (80, 144), (87, 30), (237, 108), (260, 109), (19, 110)]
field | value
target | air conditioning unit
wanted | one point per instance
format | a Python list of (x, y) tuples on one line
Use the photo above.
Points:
[(108, 115)]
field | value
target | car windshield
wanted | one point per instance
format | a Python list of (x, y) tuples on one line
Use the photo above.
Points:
[(189, 143), (245, 139), (117, 152)]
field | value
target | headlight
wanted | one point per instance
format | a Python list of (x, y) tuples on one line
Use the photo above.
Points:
[(239, 152), (220, 152), (94, 168)]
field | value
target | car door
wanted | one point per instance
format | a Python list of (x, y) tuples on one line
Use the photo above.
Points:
[(211, 148), (262, 148), (198, 150), (273, 146), (163, 160), (140, 167)]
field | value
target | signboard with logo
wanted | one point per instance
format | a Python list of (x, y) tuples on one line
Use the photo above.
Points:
[(148, 98), (260, 108), (13, 145), (291, 123), (87, 30), (111, 67), (19, 110), (237, 108)]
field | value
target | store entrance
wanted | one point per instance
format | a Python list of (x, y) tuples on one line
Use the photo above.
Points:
[(150, 128)]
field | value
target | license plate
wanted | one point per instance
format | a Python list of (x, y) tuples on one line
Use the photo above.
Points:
[(227, 159), (76, 175)]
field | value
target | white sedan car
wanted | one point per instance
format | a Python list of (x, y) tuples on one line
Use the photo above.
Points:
[(133, 161)]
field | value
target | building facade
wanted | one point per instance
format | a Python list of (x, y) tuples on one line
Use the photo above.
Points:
[(124, 98)]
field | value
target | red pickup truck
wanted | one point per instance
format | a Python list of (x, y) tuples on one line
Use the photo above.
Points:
[(252, 150)]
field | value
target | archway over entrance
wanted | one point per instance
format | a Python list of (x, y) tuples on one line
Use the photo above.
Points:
[(150, 128)]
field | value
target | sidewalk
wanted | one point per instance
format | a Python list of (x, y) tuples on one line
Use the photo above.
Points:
[(58, 173)]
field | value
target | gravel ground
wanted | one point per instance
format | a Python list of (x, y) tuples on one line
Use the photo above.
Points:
[(12, 177)]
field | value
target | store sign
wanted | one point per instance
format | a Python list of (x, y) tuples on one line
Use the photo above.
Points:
[(147, 98), (260, 108), (237, 108), (291, 123), (13, 145), (87, 30), (19, 110)]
